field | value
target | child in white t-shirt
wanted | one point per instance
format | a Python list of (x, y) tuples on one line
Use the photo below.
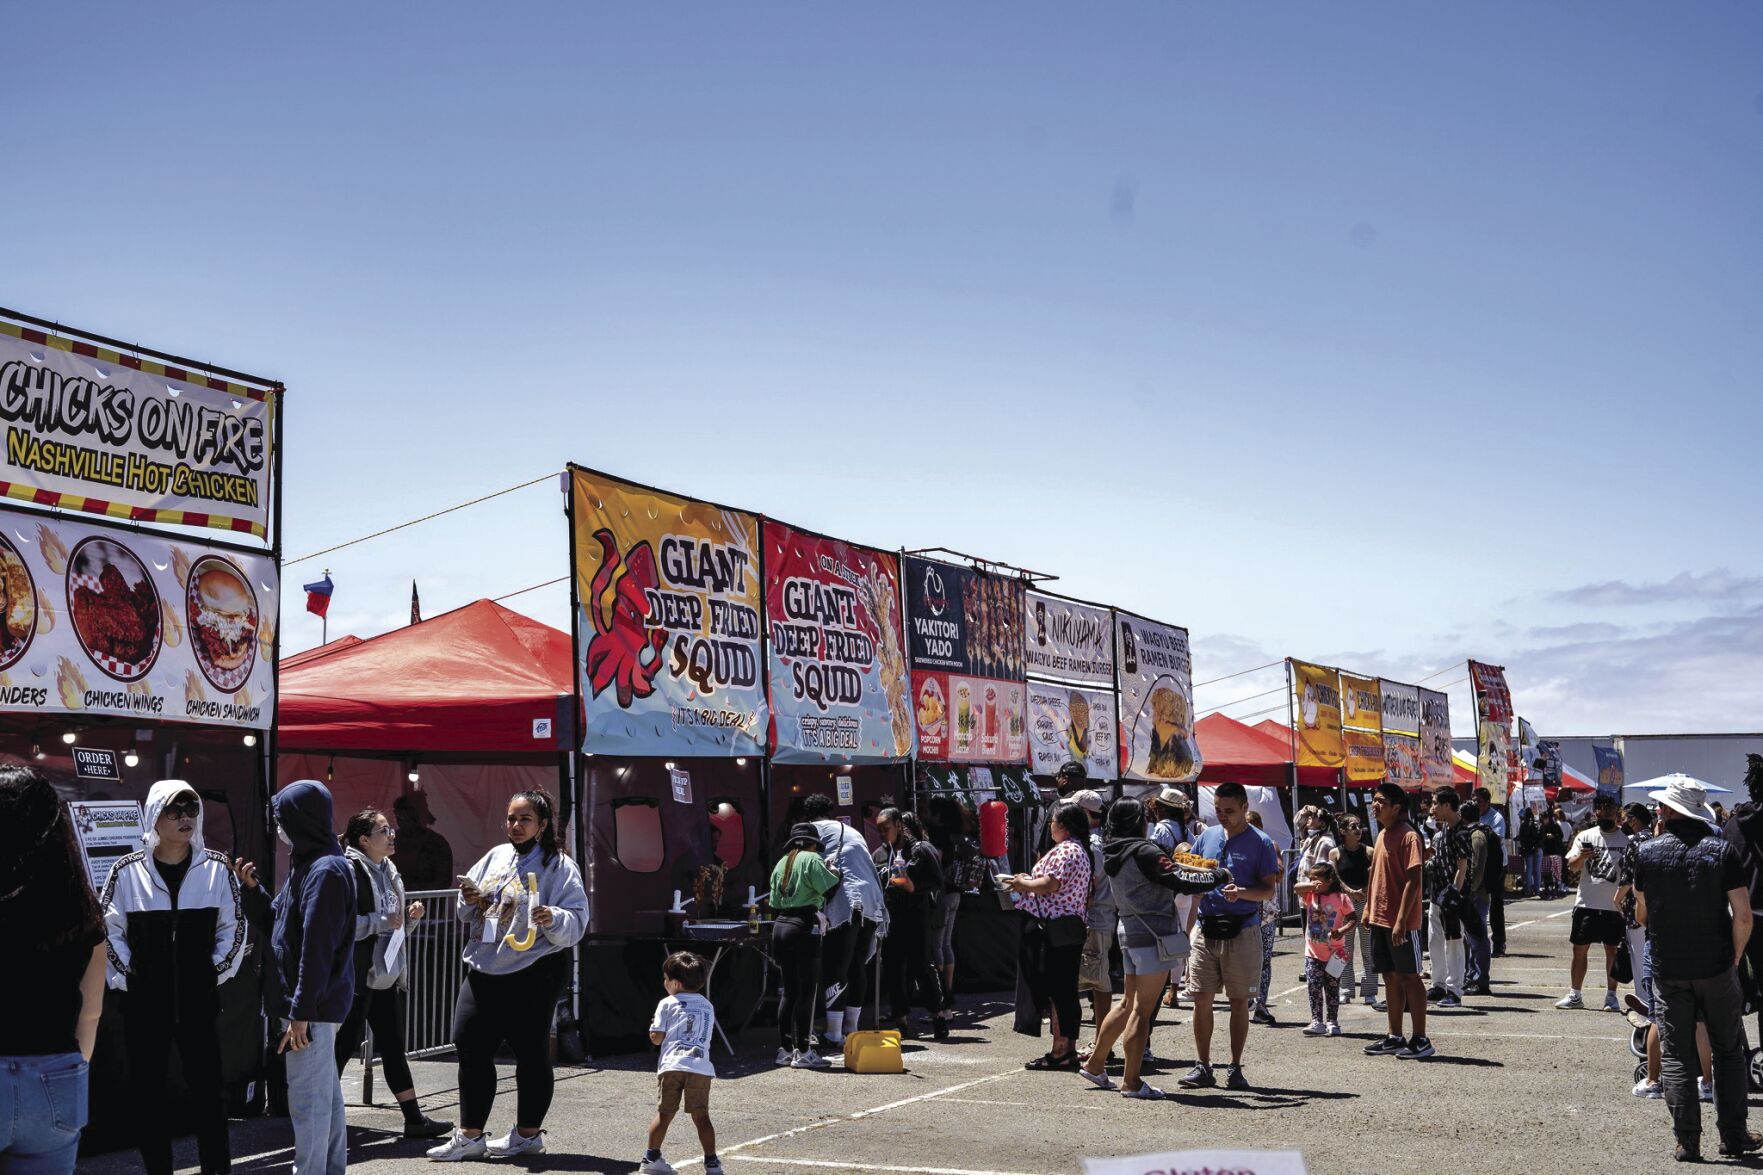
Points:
[(683, 1027)]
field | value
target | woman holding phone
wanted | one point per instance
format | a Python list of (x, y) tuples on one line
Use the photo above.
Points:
[(524, 907)]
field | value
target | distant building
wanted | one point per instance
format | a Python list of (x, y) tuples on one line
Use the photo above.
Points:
[(1716, 758)]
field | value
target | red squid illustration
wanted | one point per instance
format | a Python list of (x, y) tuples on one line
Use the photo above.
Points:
[(623, 649)]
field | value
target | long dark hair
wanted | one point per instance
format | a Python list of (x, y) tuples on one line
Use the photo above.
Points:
[(46, 898), (360, 825), (911, 831), (546, 809)]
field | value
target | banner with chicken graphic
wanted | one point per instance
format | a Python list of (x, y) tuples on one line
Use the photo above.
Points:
[(1316, 696), (1157, 743), (99, 620), (668, 591), (839, 680)]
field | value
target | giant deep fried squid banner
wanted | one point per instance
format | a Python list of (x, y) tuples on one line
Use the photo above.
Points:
[(90, 430), (1156, 701), (1496, 759), (964, 635), (1316, 694), (839, 678), (134, 624), (669, 596)]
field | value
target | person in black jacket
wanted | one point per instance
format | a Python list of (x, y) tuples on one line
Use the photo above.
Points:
[(1744, 832), (915, 882)]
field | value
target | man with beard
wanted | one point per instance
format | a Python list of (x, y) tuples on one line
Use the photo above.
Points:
[(1598, 853)]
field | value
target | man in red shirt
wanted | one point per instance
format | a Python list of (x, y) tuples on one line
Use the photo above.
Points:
[(1392, 909)]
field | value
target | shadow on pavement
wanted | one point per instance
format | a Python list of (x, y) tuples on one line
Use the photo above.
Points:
[(1259, 1098)]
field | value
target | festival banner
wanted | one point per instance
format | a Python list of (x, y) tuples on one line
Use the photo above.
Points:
[(1067, 723), (964, 637), (1402, 763), (1610, 772), (1365, 756), (130, 623), (1527, 749), (1435, 738), (1401, 707), (1069, 641), (669, 597), (1316, 691), (1156, 701), (1496, 759), (1361, 704), (91, 430), (839, 677), (1549, 761)]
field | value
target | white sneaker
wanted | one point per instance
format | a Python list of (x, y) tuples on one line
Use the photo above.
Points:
[(809, 1059), (1316, 1028), (1611, 1003), (654, 1167), (1334, 1029), (785, 1056), (1704, 1089), (1571, 1001), (516, 1143), (458, 1147), (1648, 1089)]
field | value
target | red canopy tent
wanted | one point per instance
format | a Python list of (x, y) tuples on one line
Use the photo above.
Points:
[(1233, 752)]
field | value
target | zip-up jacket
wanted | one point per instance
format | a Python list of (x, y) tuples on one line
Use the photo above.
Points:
[(1144, 881), (175, 954), (314, 936)]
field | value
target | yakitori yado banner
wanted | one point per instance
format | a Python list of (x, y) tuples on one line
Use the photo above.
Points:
[(1069, 641), (964, 636), (839, 678), (1435, 738), (669, 594), (1071, 724), (90, 430), (1156, 701), (1316, 696), (1496, 759), (130, 623)]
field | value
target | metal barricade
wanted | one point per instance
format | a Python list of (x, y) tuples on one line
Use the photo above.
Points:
[(433, 949)]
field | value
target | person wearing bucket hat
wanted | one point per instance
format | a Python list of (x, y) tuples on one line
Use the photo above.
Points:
[(1696, 907), (799, 885)]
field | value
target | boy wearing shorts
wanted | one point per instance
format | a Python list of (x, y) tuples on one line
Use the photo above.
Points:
[(683, 1027)]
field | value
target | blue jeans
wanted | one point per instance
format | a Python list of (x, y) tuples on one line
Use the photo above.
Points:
[(1475, 938), (315, 1105), (42, 1109), (1533, 871)]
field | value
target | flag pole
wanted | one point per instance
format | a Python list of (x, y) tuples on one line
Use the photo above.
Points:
[(324, 621)]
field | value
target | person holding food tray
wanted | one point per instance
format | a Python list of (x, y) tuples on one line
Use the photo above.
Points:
[(524, 908)]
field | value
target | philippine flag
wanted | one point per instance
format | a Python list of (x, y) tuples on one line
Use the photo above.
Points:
[(318, 595)]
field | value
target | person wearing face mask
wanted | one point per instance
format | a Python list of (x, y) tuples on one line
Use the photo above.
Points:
[(1597, 852), (524, 907), (176, 932)]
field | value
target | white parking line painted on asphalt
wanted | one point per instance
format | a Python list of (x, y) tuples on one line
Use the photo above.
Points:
[(1534, 1036), (1534, 921), (871, 1166)]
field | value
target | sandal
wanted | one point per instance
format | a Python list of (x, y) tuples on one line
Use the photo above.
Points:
[(1068, 1063), (1044, 1061)]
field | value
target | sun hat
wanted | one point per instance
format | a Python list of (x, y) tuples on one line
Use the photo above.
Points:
[(802, 836), (1089, 801), (1686, 796), (1173, 797)]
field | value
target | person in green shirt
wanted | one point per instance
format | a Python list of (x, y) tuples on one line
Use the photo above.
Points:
[(799, 885)]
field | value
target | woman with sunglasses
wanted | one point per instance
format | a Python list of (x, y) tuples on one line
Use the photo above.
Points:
[(380, 912), (176, 933)]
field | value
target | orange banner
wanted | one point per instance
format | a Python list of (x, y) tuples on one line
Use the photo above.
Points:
[(1365, 762), (1317, 698)]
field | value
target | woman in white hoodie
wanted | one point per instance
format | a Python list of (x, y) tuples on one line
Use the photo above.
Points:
[(176, 933)]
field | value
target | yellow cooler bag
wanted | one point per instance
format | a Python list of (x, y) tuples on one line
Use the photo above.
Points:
[(874, 1052)]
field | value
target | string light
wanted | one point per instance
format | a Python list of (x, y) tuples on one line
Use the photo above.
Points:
[(250, 740), (69, 737), (130, 759)]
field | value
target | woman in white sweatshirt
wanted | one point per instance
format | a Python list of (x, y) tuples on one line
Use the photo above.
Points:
[(524, 908), (176, 933)]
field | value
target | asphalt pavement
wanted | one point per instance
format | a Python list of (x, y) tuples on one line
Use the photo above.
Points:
[(1518, 1086)]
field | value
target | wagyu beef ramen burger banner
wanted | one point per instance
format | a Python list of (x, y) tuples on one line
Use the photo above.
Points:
[(964, 637), (106, 621), (1156, 701)]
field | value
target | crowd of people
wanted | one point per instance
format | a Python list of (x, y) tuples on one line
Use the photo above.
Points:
[(1130, 905)]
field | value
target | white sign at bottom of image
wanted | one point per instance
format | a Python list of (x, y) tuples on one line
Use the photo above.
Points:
[(1202, 1163)]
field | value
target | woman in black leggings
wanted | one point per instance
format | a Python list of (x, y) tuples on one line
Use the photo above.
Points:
[(914, 881), (799, 885)]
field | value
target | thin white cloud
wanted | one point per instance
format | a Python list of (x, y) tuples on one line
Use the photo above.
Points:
[(1718, 586)]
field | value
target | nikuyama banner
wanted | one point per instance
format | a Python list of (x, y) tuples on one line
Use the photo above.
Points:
[(1316, 693), (964, 635), (1361, 704), (839, 678), (1401, 708), (1435, 738), (131, 624), (668, 590), (1156, 701), (1069, 641), (1496, 760), (131, 439), (1068, 723)]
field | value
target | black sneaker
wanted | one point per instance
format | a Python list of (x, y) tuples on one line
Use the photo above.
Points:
[(1199, 1077), (1743, 1144), (1389, 1046), (1263, 1016), (1235, 1079), (1417, 1049), (1435, 993)]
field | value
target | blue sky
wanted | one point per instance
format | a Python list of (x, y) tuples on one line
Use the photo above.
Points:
[(1383, 335)]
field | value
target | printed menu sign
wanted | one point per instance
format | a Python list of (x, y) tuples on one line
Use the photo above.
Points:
[(107, 830), (1067, 723), (1156, 701), (838, 665), (1069, 641)]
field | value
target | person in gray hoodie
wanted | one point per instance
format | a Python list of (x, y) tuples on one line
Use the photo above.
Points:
[(314, 942), (524, 908), (856, 915)]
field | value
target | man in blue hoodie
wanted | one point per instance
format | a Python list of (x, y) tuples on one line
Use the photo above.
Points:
[(314, 956)]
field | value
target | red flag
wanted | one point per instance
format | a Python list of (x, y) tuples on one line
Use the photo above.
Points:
[(318, 595)]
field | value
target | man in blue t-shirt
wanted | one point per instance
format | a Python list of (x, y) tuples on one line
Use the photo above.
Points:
[(1226, 957)]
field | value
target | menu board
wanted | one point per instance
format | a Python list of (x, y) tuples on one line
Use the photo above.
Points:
[(1068, 723), (1069, 641), (964, 636), (107, 830), (1365, 755), (1156, 701), (839, 678), (668, 594), (105, 621)]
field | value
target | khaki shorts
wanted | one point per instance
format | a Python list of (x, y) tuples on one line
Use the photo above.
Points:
[(694, 1086), (1092, 972), (1232, 966)]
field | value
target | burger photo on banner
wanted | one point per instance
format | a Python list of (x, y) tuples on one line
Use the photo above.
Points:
[(1156, 701), (964, 638)]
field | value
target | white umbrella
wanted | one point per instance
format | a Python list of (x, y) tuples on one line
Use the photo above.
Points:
[(1638, 792)]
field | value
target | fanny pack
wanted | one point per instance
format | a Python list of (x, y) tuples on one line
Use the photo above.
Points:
[(1222, 927)]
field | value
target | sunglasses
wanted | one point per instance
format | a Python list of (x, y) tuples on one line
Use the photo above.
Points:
[(189, 807)]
